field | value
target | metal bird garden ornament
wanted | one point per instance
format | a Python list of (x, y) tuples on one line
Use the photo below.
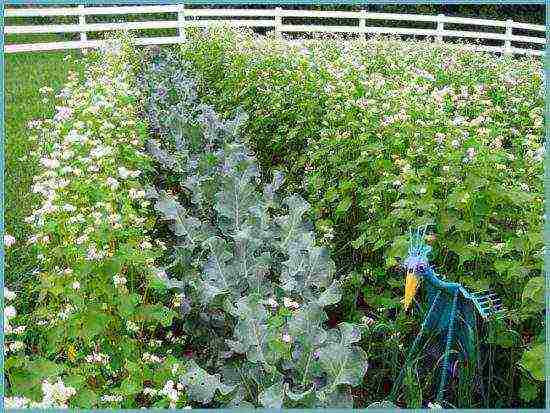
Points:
[(451, 309)]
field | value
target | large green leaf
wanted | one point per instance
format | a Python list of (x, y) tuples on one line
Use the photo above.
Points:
[(533, 361), (218, 276), (252, 332), (272, 397), (201, 386), (533, 294), (292, 225)]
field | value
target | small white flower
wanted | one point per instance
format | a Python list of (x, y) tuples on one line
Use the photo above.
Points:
[(272, 302), (367, 320), (119, 280), (112, 183), (524, 187), (9, 240), (98, 358), (63, 113), (9, 312), (145, 245), (286, 338), (458, 121), (170, 391), (68, 208), (290, 303), (73, 136), (76, 285), (16, 346), (148, 391), (50, 163), (123, 172), (56, 395), (131, 326), (16, 402), (151, 358), (9, 295), (136, 194), (111, 398), (439, 137), (80, 240), (434, 406), (64, 314)]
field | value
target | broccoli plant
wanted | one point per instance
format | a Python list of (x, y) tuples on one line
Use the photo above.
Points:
[(255, 282)]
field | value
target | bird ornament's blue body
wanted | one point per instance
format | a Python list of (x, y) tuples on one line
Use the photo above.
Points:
[(451, 311)]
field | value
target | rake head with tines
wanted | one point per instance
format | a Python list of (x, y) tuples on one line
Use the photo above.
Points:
[(488, 304)]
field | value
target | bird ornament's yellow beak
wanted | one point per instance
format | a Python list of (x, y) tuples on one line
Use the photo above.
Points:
[(411, 284)]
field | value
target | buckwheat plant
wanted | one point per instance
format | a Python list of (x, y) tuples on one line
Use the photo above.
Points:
[(81, 331)]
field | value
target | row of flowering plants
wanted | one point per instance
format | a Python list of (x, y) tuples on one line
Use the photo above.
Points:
[(90, 329)]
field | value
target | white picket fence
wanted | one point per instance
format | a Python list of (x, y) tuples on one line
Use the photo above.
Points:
[(269, 18)]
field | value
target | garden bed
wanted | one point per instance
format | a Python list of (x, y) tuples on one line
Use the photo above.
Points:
[(221, 225)]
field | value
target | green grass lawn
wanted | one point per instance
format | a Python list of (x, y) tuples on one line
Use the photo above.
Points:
[(25, 74)]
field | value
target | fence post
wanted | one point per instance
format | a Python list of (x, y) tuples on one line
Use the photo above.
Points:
[(440, 23), (363, 25), (181, 23), (278, 22), (82, 22), (508, 42)]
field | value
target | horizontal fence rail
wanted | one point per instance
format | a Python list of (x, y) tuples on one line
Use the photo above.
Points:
[(266, 18)]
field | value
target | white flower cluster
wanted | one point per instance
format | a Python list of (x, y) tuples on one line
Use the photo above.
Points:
[(172, 392), (152, 358), (125, 173), (131, 326), (11, 346), (56, 396), (111, 398), (9, 240), (97, 358), (289, 303), (119, 280)]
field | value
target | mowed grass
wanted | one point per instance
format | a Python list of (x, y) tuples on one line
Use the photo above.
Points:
[(25, 74)]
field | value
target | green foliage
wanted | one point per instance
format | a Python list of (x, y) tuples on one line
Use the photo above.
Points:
[(533, 361), (383, 135)]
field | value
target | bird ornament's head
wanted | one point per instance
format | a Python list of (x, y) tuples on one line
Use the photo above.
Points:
[(416, 264)]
